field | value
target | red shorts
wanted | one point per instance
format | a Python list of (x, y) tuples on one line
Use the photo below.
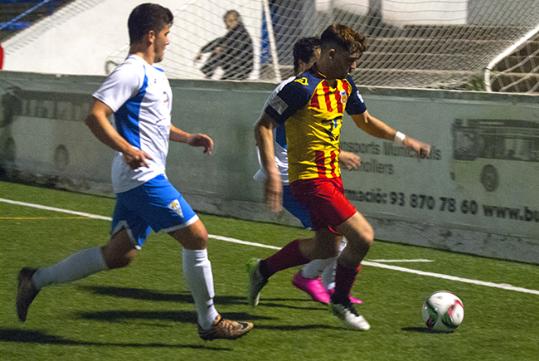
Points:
[(325, 200)]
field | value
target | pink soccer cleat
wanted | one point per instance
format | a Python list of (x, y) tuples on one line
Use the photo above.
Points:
[(353, 300), (357, 301), (313, 286)]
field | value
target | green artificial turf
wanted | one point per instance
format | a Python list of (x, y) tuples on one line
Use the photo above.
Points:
[(144, 312)]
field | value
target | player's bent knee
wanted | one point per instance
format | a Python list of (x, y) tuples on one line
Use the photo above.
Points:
[(358, 231), (366, 239), (119, 251), (194, 237), (196, 242), (118, 263), (114, 261), (368, 236)]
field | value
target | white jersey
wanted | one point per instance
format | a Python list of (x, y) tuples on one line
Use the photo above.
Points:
[(279, 142), (141, 98)]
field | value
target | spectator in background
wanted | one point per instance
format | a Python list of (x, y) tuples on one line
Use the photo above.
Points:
[(232, 52)]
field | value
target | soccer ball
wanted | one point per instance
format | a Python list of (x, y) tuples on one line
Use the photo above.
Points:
[(443, 311)]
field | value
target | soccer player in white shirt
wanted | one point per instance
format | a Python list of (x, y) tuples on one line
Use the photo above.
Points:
[(138, 94), (316, 278)]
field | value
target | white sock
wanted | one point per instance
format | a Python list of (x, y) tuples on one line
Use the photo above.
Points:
[(314, 268), (197, 272), (77, 266), (328, 274)]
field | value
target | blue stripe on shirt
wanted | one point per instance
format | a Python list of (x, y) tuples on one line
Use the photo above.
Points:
[(127, 117), (280, 136)]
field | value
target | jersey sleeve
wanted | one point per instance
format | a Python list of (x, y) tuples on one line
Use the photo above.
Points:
[(121, 85), (287, 101), (355, 103)]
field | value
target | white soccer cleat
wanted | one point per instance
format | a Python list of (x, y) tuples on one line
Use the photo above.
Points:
[(348, 314)]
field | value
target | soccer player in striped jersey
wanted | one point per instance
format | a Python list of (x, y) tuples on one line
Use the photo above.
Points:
[(138, 93), (317, 277), (311, 108)]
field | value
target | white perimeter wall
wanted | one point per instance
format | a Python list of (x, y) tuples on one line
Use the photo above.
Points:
[(461, 199)]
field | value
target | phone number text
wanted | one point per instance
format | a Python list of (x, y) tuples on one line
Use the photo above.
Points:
[(416, 200)]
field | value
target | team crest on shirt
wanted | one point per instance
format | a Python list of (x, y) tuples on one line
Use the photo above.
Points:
[(175, 206), (344, 97), (303, 81)]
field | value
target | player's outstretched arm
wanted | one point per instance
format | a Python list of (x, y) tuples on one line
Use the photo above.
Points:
[(264, 140), (380, 129), (98, 122), (194, 140)]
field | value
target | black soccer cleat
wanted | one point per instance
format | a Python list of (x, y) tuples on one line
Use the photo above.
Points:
[(26, 292)]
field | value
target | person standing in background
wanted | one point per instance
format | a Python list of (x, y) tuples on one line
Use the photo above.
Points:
[(232, 52)]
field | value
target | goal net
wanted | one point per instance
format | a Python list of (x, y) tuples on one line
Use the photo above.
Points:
[(517, 68), (444, 44)]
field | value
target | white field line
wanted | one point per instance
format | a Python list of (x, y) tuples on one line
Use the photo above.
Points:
[(239, 241), (502, 286), (53, 209)]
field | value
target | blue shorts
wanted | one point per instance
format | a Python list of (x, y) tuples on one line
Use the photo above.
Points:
[(155, 205), (297, 209)]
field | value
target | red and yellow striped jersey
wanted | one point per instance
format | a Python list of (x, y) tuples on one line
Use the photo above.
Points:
[(312, 112)]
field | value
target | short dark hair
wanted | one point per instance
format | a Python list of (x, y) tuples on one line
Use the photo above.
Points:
[(304, 50), (345, 37), (147, 17), (233, 12)]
